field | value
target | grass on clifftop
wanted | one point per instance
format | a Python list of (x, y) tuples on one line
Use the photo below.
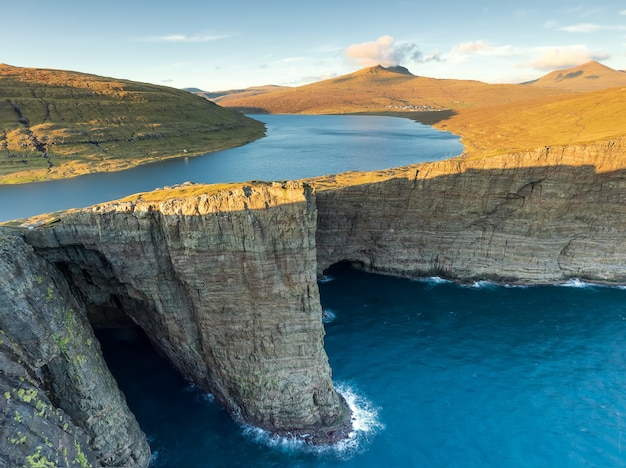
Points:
[(56, 124), (551, 121)]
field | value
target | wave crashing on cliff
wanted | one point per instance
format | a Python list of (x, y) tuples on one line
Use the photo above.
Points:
[(328, 316), (365, 424)]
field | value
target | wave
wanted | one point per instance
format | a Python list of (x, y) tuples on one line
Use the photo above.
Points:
[(576, 283), (328, 316), (365, 424), (325, 279), (483, 284), (432, 280)]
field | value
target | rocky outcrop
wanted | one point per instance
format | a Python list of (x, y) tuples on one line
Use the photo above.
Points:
[(222, 279), (225, 286), (533, 217), (60, 404)]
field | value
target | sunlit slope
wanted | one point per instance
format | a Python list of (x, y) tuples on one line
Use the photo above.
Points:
[(218, 96), (557, 120), (56, 124), (379, 89), (590, 76)]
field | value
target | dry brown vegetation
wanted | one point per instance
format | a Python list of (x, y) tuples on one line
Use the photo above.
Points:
[(378, 89), (557, 120), (590, 76), (491, 119)]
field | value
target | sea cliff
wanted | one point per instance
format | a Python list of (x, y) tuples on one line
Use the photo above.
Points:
[(224, 285), (540, 216), (223, 279)]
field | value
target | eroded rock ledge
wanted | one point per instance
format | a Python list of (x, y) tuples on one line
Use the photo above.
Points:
[(223, 279)]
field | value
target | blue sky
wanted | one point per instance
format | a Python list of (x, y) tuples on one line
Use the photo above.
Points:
[(234, 43)]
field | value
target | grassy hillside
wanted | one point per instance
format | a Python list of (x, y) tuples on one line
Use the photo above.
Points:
[(556, 120), (56, 124), (217, 96), (590, 76), (379, 89)]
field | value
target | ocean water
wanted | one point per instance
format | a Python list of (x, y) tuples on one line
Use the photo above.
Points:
[(439, 375)]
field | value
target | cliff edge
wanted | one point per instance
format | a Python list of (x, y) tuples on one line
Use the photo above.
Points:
[(223, 278), (224, 285)]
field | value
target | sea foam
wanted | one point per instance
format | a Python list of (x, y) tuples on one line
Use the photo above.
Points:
[(365, 424), (328, 316)]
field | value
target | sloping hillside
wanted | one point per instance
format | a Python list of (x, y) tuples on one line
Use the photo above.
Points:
[(556, 120), (217, 96), (590, 76), (380, 89), (56, 124)]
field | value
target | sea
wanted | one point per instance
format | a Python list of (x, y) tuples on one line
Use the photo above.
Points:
[(437, 374)]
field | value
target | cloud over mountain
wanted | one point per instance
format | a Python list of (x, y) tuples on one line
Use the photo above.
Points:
[(384, 51), (564, 57)]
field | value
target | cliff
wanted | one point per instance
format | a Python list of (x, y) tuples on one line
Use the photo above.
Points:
[(223, 278), (60, 403), (224, 284), (534, 217)]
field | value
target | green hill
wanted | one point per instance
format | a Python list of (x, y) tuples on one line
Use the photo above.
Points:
[(56, 124)]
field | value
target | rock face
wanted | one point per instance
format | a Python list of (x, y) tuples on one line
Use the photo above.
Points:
[(60, 404), (534, 217), (223, 281), (225, 286)]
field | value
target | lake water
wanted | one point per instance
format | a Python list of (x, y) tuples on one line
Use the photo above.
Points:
[(441, 375), (296, 147)]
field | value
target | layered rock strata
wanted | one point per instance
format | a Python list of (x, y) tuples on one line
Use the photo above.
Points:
[(534, 217), (223, 279), (60, 404), (225, 286)]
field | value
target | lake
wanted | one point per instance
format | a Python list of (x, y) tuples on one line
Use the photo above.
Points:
[(296, 147)]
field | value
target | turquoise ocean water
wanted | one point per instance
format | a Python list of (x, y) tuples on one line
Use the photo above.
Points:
[(439, 375)]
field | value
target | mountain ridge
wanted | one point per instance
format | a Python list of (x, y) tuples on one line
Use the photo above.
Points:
[(379, 89)]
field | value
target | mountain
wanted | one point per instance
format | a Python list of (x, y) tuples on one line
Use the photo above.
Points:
[(379, 89), (590, 76), (56, 124)]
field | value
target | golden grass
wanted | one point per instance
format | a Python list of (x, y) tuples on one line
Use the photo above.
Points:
[(590, 76), (378, 89), (557, 120)]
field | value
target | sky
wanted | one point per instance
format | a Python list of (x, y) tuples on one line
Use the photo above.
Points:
[(234, 44)]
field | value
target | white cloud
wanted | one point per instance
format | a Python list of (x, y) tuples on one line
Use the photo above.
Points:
[(623, 12), (551, 58), (184, 38), (469, 47), (383, 51), (590, 27)]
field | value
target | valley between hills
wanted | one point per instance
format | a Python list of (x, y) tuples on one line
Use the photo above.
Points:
[(56, 124)]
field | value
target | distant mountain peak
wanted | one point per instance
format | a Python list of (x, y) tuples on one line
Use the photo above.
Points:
[(589, 76), (399, 69)]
